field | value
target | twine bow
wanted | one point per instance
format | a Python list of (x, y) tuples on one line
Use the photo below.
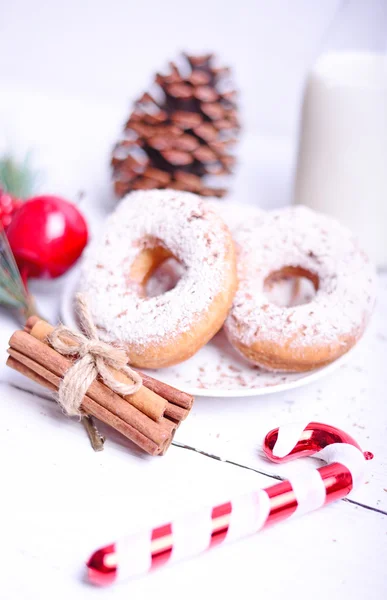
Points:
[(96, 358)]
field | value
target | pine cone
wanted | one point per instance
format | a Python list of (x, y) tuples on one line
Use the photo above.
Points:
[(179, 134)]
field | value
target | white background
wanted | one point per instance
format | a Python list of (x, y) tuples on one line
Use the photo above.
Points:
[(109, 49)]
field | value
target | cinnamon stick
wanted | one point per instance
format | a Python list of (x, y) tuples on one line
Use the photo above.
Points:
[(24, 370), (94, 409), (30, 323), (120, 408), (176, 413), (52, 366), (146, 400), (168, 423), (169, 393)]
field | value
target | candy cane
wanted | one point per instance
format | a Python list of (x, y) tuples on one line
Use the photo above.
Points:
[(188, 536)]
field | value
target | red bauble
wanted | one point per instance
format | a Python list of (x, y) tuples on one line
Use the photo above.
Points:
[(47, 235)]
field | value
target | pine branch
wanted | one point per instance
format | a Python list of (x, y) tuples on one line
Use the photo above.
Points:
[(17, 178), (12, 290)]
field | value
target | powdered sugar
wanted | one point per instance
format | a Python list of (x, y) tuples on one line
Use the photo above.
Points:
[(196, 237), (299, 237)]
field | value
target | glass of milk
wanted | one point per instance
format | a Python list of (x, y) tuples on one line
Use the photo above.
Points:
[(342, 159)]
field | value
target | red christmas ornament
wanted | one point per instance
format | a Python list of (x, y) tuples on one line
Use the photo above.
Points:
[(47, 235)]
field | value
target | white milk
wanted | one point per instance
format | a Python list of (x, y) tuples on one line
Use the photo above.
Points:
[(342, 161)]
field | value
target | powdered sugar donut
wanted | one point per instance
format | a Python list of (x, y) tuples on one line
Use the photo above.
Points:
[(148, 228), (299, 242)]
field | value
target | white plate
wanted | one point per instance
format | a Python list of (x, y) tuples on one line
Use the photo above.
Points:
[(216, 370)]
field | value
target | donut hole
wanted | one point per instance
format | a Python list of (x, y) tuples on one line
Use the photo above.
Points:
[(291, 286), (155, 271), (164, 278)]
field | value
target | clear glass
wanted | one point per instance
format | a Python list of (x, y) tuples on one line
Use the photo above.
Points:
[(342, 159)]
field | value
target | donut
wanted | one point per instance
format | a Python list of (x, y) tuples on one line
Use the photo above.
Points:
[(298, 242), (147, 229)]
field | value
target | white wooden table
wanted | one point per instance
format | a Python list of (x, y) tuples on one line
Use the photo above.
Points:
[(60, 501)]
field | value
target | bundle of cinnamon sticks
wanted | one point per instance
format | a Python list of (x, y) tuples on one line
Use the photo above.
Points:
[(149, 417)]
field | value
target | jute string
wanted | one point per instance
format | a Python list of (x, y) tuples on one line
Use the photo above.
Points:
[(95, 358)]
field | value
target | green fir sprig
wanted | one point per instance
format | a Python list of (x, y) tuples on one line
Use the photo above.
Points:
[(13, 293), (17, 177)]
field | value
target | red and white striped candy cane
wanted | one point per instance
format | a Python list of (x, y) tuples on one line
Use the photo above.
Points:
[(247, 514)]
